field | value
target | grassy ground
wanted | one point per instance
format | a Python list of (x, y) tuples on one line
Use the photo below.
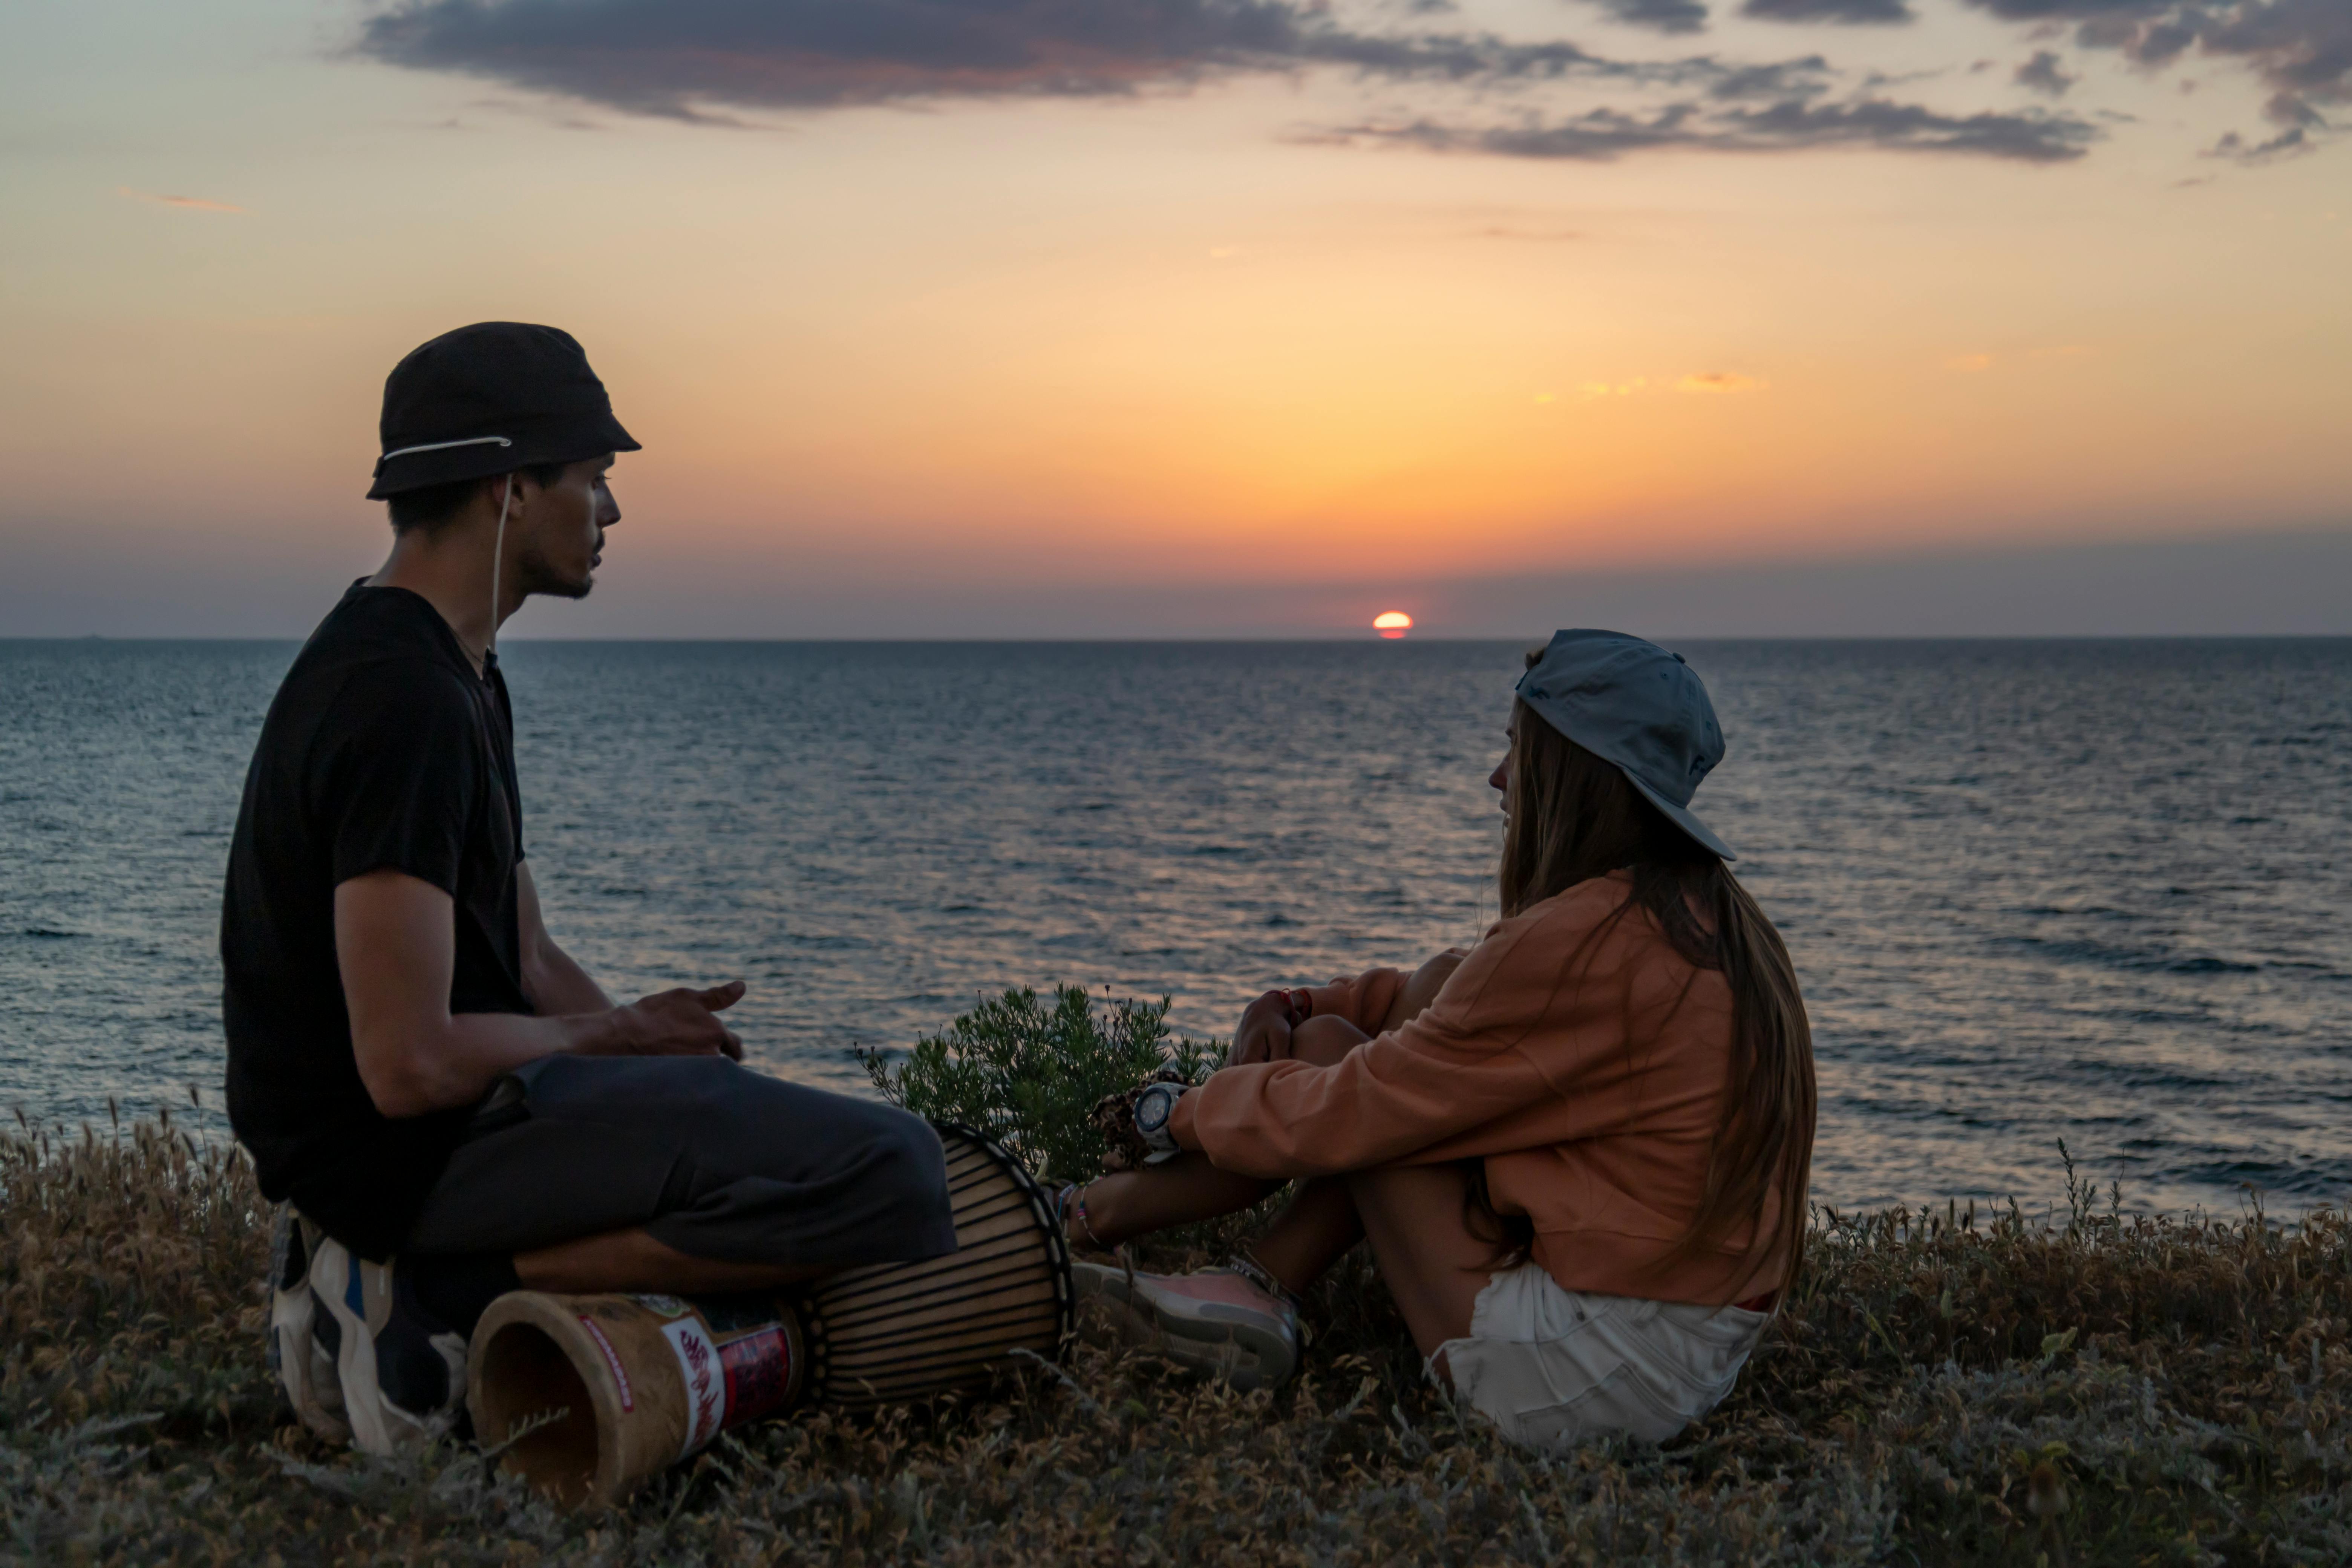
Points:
[(1941, 1390)]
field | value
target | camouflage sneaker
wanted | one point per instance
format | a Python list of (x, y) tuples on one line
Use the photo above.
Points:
[(305, 1366), (402, 1371)]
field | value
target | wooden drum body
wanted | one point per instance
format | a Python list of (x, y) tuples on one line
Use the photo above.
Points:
[(898, 1331), (645, 1381)]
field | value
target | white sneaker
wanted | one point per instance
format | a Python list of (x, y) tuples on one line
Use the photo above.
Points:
[(1216, 1321), (305, 1368), (401, 1370)]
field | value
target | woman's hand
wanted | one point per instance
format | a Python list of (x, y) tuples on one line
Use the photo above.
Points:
[(1125, 1145), (1263, 1033)]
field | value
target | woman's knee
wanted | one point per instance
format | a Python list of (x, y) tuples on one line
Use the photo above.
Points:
[(1422, 988), (1324, 1041)]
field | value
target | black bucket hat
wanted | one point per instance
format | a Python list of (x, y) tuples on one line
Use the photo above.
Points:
[(488, 399)]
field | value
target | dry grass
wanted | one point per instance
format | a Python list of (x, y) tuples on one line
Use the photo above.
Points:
[(2163, 1393)]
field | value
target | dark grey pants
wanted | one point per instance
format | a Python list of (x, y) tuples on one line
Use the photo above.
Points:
[(711, 1158)]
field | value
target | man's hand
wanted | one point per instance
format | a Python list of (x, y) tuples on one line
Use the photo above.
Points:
[(682, 1022), (395, 945)]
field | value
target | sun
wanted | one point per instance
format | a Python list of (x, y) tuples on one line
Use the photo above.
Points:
[(1391, 623)]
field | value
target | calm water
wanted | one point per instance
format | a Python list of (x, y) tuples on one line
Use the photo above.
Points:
[(2095, 891)]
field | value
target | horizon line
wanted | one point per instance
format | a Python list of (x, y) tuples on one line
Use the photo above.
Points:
[(1207, 637)]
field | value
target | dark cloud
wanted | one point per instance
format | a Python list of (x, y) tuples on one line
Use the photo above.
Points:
[(1606, 133), (2043, 73), (2033, 138), (1594, 137), (1660, 15), (1776, 82), (2069, 10), (1855, 12), (668, 56), (2285, 144), (698, 58), (2302, 49)]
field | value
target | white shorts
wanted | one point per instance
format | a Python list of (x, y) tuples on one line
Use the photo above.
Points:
[(1553, 1368)]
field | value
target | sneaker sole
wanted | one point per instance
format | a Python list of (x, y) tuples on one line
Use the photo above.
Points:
[(304, 1371), (1230, 1344)]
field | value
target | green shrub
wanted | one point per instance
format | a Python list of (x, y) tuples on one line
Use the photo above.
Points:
[(1026, 1075)]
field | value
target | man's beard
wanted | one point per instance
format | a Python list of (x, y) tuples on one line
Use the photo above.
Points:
[(535, 573)]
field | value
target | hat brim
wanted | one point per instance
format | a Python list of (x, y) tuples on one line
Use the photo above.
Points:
[(570, 442), (1680, 816)]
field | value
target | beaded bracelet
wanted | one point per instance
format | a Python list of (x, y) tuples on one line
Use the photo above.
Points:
[(1072, 1200)]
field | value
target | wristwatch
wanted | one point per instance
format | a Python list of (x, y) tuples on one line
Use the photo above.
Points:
[(1154, 1108)]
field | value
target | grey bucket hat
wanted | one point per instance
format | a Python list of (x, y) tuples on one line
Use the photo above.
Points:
[(1632, 703)]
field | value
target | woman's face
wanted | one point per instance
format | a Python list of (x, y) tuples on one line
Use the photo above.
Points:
[(1501, 778)]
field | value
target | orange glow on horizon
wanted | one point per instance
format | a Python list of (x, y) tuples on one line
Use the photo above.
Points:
[(1392, 623)]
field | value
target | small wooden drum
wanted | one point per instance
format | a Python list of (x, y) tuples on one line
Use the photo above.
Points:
[(591, 1394), (645, 1381), (904, 1331)]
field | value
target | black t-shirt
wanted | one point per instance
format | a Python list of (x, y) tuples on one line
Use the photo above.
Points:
[(381, 750)]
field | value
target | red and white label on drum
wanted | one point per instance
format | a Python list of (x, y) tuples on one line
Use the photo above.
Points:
[(759, 1374), (612, 1360), (706, 1381)]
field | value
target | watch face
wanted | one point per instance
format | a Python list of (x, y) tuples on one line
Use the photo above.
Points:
[(1151, 1110)]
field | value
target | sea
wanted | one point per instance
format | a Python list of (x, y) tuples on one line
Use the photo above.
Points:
[(2084, 895)]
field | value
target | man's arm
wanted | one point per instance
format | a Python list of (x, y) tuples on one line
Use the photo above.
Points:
[(551, 977), (395, 945)]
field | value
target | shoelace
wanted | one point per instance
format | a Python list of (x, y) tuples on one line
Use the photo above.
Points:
[(1258, 1274)]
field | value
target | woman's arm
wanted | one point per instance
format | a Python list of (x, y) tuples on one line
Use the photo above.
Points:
[(1375, 1002), (1504, 1057), (1386, 1102)]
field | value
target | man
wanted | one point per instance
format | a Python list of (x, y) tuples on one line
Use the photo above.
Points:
[(454, 1107)]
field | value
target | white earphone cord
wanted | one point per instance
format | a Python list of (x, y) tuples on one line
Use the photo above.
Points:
[(498, 552)]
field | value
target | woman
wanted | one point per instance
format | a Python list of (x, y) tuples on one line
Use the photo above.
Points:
[(1580, 1150)]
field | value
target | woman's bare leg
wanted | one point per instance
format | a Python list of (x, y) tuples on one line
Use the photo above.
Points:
[(1314, 1231), (1324, 1041), (1188, 1189), (1412, 1216), (1427, 1257), (1185, 1190), (1420, 988)]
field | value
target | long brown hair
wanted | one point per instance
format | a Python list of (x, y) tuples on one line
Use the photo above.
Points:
[(1574, 816)]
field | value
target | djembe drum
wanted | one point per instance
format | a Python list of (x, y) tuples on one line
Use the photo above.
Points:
[(593, 1394)]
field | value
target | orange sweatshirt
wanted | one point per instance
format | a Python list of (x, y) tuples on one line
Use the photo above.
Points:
[(1593, 1088)]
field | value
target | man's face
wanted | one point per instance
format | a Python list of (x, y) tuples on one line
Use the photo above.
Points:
[(565, 540)]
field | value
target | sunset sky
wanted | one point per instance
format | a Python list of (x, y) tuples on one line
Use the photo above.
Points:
[(1184, 317)]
